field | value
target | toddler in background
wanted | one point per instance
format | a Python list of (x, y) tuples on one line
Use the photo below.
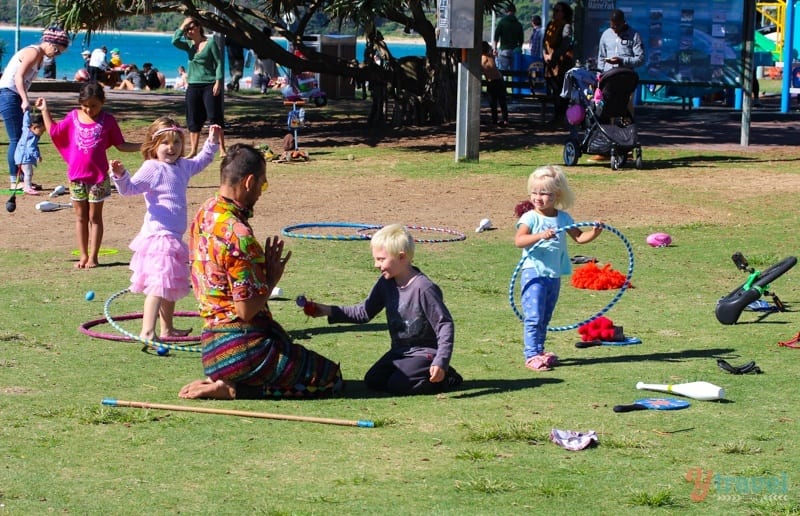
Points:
[(27, 154)]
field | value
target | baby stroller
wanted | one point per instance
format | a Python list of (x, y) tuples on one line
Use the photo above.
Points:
[(609, 127)]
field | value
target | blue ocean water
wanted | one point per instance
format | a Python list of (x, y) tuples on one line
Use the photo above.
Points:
[(140, 48)]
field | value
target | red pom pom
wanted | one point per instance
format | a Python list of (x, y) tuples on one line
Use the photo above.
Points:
[(591, 276), (310, 308), (522, 208)]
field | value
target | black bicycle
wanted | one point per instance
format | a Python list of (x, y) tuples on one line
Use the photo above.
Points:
[(730, 307)]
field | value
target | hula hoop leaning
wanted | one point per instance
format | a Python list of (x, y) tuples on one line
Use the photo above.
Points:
[(606, 308)]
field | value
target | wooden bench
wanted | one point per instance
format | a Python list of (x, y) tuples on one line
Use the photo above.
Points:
[(519, 85), (52, 85)]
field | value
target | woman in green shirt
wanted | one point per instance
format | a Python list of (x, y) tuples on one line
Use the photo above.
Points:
[(204, 81)]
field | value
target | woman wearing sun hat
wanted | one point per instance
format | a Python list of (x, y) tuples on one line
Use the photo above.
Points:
[(22, 68)]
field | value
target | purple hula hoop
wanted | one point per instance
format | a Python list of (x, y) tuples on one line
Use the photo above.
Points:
[(85, 328)]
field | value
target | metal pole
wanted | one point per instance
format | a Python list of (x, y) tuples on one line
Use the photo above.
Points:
[(17, 33), (747, 75), (788, 44)]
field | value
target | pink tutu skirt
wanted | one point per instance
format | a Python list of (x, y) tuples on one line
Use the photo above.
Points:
[(160, 266)]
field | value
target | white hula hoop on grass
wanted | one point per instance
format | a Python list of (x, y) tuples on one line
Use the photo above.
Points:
[(606, 308)]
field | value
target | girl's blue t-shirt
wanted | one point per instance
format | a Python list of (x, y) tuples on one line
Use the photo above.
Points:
[(549, 258)]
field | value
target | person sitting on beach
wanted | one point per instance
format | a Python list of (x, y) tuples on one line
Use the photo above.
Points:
[(180, 82), (153, 79), (134, 80)]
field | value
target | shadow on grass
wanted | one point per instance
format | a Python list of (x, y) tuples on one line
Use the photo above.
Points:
[(309, 333), (678, 356), (356, 389), (107, 264)]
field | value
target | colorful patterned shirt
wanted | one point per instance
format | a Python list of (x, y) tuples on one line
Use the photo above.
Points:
[(227, 260)]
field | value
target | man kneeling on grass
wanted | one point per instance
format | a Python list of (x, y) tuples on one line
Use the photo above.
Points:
[(246, 353)]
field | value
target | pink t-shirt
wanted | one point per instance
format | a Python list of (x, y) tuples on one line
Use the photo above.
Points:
[(83, 146)]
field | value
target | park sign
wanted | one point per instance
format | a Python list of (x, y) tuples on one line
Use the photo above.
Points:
[(455, 24), (685, 42)]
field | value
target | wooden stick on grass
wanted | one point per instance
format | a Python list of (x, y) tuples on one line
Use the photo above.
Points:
[(242, 413)]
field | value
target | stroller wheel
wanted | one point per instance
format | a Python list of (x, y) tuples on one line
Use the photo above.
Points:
[(637, 154), (617, 161), (572, 152)]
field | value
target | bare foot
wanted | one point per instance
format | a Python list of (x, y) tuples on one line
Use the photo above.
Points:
[(80, 264), (90, 264), (215, 390), (175, 332)]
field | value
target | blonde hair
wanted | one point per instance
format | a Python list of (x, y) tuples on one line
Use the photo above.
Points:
[(394, 239), (553, 179), (158, 132)]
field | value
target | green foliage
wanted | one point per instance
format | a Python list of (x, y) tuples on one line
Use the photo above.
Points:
[(662, 498)]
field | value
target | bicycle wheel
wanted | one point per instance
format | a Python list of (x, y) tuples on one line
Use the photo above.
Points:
[(730, 307)]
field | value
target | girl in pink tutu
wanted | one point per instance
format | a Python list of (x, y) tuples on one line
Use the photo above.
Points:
[(160, 261)]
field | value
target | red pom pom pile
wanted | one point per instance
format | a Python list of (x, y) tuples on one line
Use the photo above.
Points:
[(597, 329), (593, 277)]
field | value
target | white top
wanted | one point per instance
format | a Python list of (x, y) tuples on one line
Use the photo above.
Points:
[(98, 58), (7, 80)]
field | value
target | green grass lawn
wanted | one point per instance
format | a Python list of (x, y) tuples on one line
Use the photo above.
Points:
[(483, 449)]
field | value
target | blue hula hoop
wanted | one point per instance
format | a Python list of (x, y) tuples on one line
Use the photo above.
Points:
[(157, 345), (605, 309), (290, 231), (362, 229)]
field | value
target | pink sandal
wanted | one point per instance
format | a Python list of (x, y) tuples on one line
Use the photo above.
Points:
[(538, 363), (551, 359)]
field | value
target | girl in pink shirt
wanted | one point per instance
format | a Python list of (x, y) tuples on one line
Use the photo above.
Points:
[(160, 261), (82, 139)]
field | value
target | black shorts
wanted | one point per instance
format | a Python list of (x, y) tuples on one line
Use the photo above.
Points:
[(201, 106)]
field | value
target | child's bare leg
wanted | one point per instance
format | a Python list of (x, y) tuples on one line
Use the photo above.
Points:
[(167, 312), (82, 231), (149, 315), (95, 232)]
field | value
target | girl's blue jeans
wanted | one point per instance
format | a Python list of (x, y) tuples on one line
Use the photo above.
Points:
[(11, 110), (539, 298)]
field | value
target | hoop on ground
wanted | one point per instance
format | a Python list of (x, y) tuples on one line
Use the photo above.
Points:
[(291, 231), (606, 308), (166, 344), (86, 328), (104, 251), (457, 236)]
